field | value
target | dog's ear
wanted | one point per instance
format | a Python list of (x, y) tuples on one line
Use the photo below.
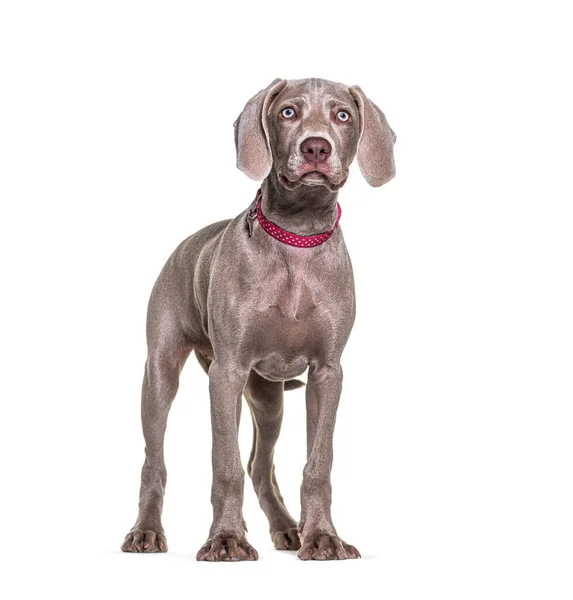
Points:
[(254, 156), (376, 145)]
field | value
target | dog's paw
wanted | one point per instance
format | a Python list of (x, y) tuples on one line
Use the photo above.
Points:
[(287, 539), (145, 540), (227, 548), (321, 546)]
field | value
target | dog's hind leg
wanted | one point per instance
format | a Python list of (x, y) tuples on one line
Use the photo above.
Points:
[(165, 360), (265, 400)]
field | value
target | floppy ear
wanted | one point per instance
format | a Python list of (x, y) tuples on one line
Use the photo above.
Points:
[(254, 156), (376, 145)]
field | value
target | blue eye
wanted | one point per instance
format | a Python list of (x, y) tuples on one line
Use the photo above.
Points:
[(343, 116), (288, 113)]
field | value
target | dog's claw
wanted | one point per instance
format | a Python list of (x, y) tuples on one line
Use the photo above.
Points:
[(228, 549), (287, 539), (326, 547), (144, 540)]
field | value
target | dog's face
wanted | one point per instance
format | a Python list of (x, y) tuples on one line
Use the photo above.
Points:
[(314, 128), (309, 130)]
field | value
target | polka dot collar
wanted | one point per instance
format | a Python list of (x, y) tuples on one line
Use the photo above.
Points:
[(286, 237)]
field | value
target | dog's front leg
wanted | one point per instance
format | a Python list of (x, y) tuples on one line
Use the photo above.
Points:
[(319, 539), (227, 539)]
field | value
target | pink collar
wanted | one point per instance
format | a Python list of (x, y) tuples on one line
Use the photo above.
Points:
[(286, 237)]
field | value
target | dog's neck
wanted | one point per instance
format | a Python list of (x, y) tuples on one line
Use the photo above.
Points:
[(306, 210)]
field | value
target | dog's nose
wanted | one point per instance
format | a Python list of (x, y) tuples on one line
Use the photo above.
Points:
[(315, 150)]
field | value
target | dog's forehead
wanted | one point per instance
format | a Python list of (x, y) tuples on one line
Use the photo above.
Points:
[(315, 91)]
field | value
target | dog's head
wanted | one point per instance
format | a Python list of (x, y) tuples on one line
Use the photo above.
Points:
[(309, 131)]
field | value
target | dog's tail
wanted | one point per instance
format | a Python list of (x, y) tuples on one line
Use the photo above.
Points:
[(205, 362), (293, 384)]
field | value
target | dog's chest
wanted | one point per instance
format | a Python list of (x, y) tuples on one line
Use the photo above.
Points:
[(295, 323), (292, 290), (297, 307), (290, 327), (292, 298), (285, 306)]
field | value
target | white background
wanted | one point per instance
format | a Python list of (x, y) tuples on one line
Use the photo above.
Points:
[(452, 470)]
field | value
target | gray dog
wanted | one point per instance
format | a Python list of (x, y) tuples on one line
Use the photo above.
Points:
[(260, 298)]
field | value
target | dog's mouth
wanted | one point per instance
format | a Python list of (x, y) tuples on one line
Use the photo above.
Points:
[(314, 178), (311, 178)]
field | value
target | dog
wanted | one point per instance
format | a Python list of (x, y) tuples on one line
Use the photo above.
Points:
[(260, 299)]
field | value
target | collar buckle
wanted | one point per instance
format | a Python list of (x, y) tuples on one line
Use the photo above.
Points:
[(251, 216)]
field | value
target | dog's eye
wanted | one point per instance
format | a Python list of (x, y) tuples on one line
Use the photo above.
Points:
[(343, 116), (288, 113)]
